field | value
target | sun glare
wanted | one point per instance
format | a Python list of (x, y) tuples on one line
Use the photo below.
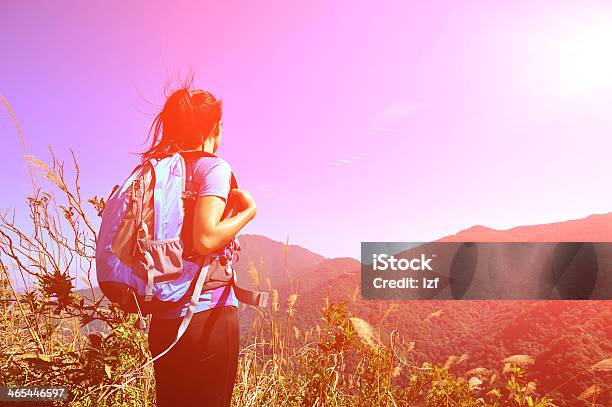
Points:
[(586, 58), (576, 61)]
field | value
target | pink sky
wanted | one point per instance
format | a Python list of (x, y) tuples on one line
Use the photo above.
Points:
[(347, 122)]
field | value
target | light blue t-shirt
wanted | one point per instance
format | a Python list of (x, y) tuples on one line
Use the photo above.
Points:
[(211, 176)]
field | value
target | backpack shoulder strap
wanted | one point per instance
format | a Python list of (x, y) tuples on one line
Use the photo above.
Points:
[(233, 182), (184, 175)]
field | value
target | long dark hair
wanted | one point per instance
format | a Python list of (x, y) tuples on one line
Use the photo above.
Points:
[(188, 117)]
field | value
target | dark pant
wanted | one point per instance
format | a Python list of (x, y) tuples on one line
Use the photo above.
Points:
[(200, 370)]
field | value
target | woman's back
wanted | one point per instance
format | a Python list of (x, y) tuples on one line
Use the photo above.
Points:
[(201, 368)]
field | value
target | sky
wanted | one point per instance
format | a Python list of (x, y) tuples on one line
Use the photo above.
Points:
[(347, 121)]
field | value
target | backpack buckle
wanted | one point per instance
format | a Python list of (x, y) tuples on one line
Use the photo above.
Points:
[(148, 297)]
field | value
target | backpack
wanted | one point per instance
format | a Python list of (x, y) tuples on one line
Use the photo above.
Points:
[(143, 265)]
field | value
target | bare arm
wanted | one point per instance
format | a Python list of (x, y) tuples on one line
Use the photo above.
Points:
[(210, 233)]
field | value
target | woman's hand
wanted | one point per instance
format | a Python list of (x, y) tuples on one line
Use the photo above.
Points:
[(244, 201)]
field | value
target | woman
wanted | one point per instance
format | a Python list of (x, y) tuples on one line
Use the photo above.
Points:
[(201, 368)]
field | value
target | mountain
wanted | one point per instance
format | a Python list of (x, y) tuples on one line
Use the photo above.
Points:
[(593, 228), (274, 260), (287, 267), (564, 337), (511, 268)]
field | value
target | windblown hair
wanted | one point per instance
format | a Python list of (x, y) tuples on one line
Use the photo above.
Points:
[(188, 117)]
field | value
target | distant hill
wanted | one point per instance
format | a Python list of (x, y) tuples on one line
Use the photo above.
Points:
[(304, 269), (593, 228), (508, 270), (565, 337), (273, 259)]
